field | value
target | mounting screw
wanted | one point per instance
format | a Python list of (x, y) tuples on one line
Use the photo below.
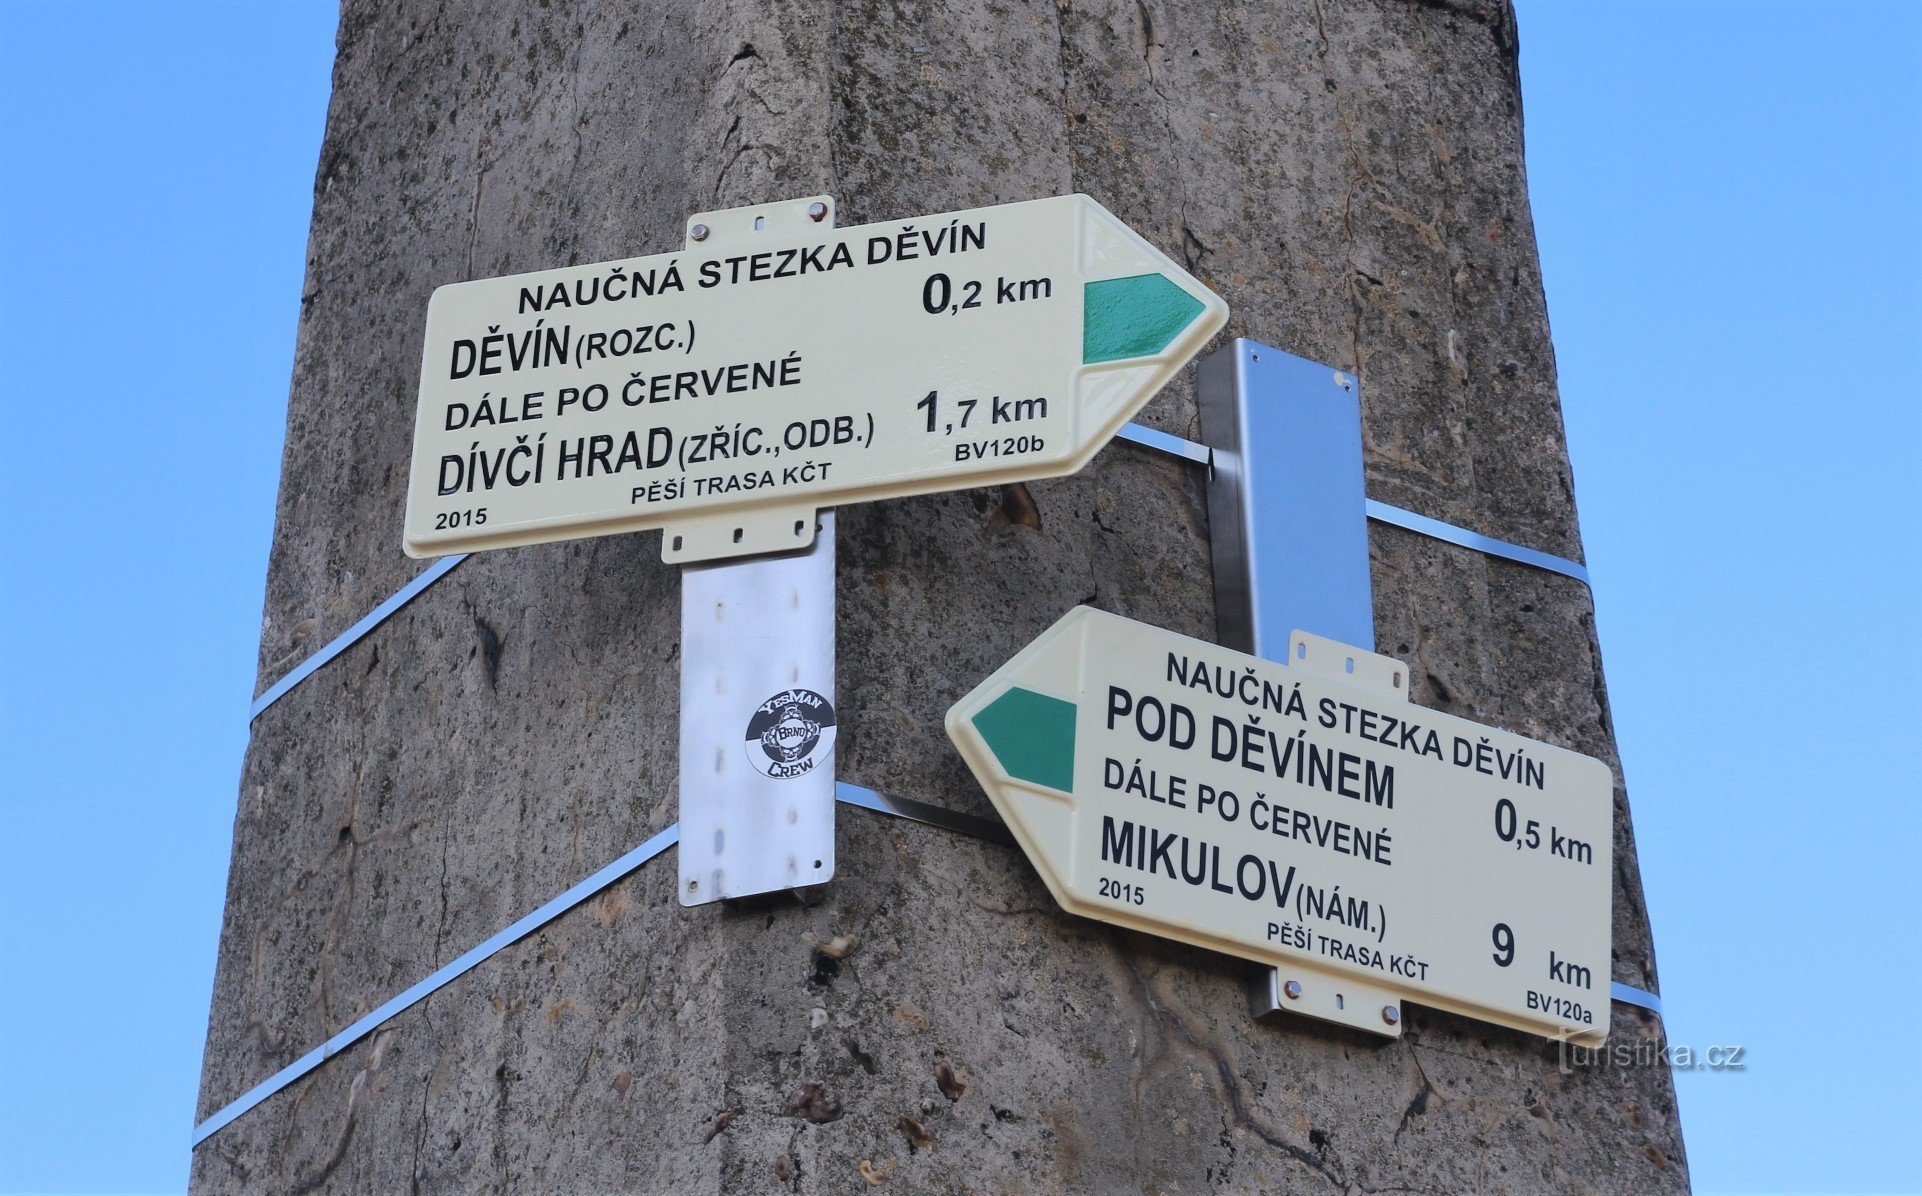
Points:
[(698, 232), (817, 211), (1344, 381), (1292, 990), (1390, 1014)]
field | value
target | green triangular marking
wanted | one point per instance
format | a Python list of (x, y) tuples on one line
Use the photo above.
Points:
[(1133, 317), (1032, 735)]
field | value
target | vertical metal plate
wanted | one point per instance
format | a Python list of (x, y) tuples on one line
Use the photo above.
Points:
[(1288, 512), (1288, 526), (758, 722)]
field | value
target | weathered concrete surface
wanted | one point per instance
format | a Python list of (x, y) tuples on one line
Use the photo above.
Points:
[(1348, 173)]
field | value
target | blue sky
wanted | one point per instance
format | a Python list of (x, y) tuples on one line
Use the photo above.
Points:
[(1728, 199), (1729, 203)]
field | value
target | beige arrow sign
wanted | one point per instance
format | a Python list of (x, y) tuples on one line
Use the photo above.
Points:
[(778, 365), (1307, 816)]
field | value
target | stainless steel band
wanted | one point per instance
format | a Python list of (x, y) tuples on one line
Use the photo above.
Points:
[(919, 811), (458, 966), (1164, 442), (1150, 438), (1380, 512), (845, 792), (1628, 994), (340, 643)]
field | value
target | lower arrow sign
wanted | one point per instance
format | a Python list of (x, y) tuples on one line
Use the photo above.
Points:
[(1307, 816)]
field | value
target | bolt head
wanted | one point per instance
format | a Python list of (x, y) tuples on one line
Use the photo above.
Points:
[(1390, 1014), (698, 232), (1292, 990), (817, 210)]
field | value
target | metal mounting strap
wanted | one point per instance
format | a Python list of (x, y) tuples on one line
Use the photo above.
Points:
[(345, 640), (1380, 512), (847, 792), (1630, 995), (459, 966), (1165, 442), (1149, 438), (920, 811), (851, 794)]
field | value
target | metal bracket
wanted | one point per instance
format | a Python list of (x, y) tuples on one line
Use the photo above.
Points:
[(699, 538), (1339, 999), (1288, 515), (1295, 988), (1288, 525), (757, 670)]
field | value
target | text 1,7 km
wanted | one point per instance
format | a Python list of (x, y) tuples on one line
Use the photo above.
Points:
[(946, 417)]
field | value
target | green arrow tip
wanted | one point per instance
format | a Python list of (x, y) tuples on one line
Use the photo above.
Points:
[(1032, 735), (1133, 317)]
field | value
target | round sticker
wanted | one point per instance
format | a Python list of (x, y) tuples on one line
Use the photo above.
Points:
[(790, 734)]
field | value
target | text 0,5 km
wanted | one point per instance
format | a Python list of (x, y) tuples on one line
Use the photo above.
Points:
[(1527, 835)]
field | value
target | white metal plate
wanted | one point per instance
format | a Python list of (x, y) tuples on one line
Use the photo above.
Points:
[(758, 723), (726, 391), (1420, 854)]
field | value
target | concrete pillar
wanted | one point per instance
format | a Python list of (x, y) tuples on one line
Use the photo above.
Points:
[(1347, 173)]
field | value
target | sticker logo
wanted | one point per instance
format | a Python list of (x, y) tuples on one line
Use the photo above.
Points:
[(790, 734)]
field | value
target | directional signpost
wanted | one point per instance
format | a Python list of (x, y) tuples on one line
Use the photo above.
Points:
[(726, 392), (1307, 816)]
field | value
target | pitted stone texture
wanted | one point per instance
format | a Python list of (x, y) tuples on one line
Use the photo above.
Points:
[(1347, 173)]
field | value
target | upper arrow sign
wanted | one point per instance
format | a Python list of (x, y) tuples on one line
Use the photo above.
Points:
[(778, 365), (1307, 816)]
